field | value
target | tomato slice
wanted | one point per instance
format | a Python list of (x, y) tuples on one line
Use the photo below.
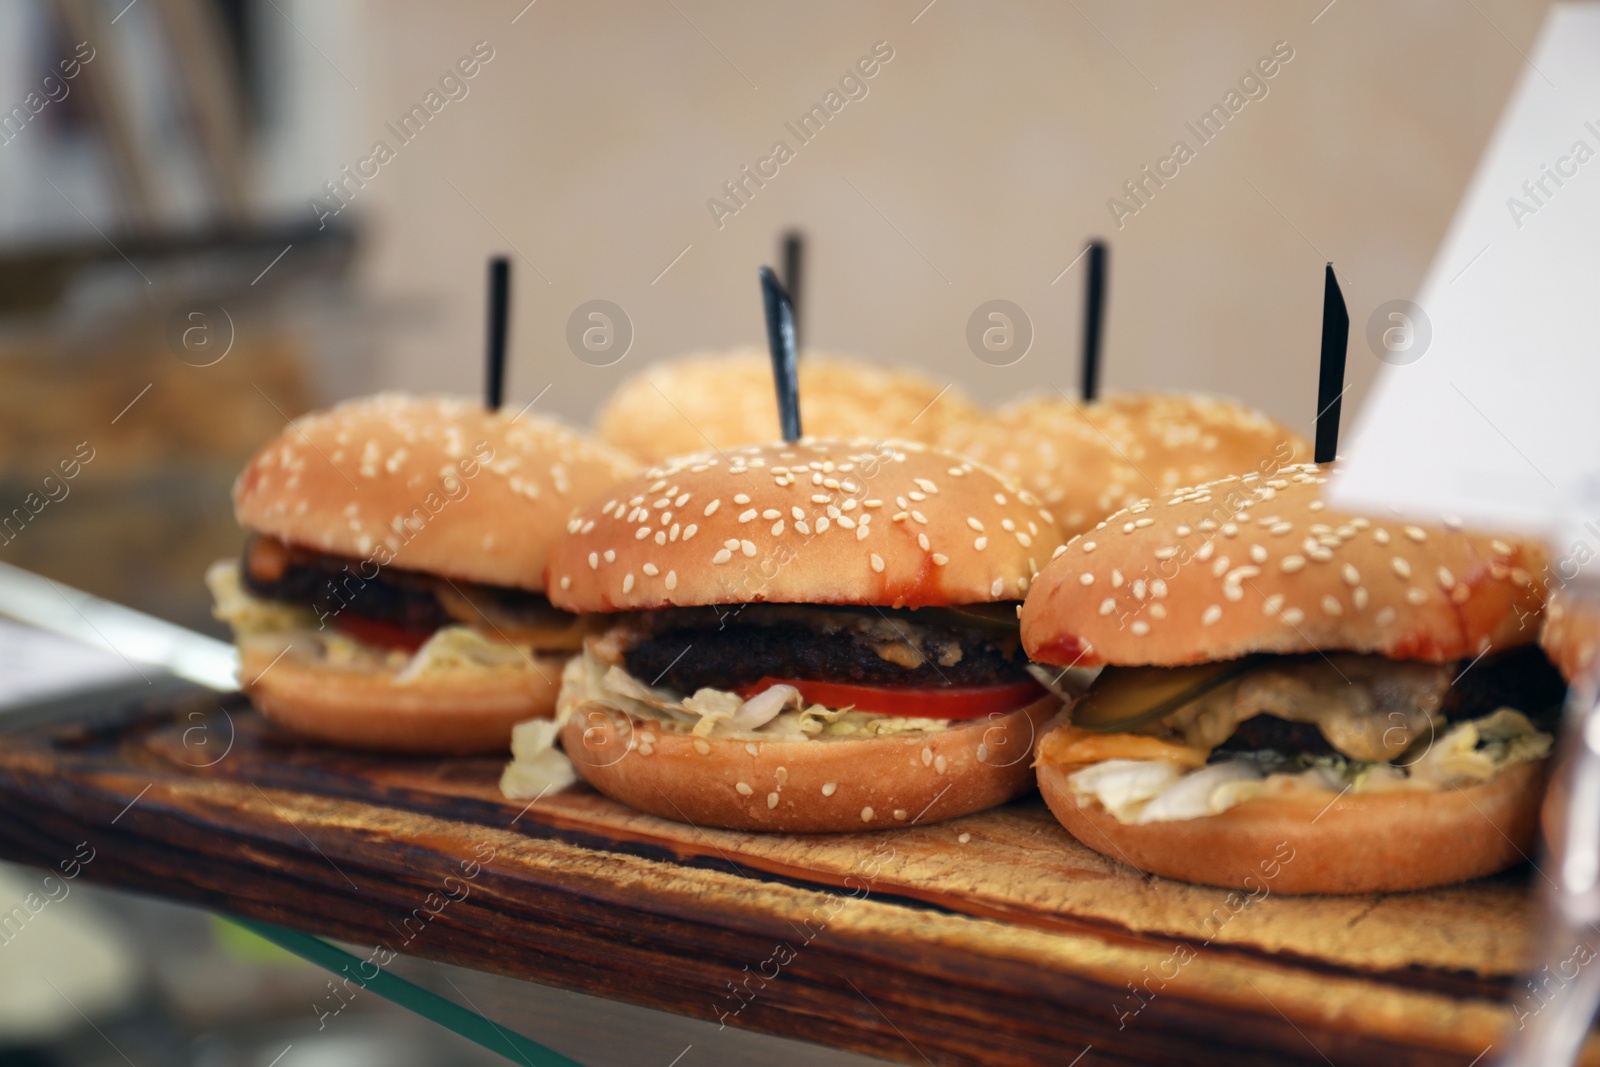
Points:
[(379, 633), (922, 702)]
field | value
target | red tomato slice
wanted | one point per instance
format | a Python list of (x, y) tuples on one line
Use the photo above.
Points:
[(379, 633), (926, 702)]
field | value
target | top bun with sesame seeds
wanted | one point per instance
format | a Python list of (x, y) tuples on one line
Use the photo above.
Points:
[(1570, 635), (1259, 563), (446, 486), (1047, 446), (821, 521), (1177, 440), (714, 400), (1322, 701)]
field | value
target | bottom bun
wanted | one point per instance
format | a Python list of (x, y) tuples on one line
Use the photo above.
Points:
[(456, 714), (814, 786), (1310, 842)]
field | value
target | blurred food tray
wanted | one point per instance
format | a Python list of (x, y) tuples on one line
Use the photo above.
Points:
[(996, 939)]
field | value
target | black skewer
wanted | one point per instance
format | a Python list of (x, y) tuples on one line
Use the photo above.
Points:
[(785, 365), (1330, 377), (494, 380), (793, 261), (1094, 300)]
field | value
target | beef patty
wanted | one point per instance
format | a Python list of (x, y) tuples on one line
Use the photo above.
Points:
[(1521, 678), (693, 648), (330, 585)]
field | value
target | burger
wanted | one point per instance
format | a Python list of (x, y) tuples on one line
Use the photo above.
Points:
[(1177, 440), (718, 400), (1085, 461), (391, 590), (818, 636), (1049, 448), (1340, 703)]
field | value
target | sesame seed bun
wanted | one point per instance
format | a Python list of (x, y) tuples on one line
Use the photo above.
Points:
[(1570, 635), (821, 521), (1259, 564), (1051, 449), (1315, 841), (716, 400), (815, 786), (339, 704), (482, 495), (1187, 439)]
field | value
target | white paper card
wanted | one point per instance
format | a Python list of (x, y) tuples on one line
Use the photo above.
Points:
[(1498, 420)]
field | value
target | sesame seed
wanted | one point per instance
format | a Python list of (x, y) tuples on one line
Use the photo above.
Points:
[(939, 764), (866, 814), (1108, 605), (1402, 568), (1278, 529), (1358, 597), (1447, 580), (566, 581), (997, 587), (1087, 546), (772, 800), (1291, 564), (641, 533), (743, 788), (1417, 534), (609, 555), (974, 523), (1416, 596), (594, 561), (741, 499), (650, 569), (1258, 554), (1500, 548), (981, 543), (1139, 627), (1351, 575), (627, 582), (1331, 605), (923, 542), (702, 746), (829, 788), (1293, 616), (876, 561), (1384, 617), (1085, 578), (711, 508), (689, 531), (722, 556), (672, 580), (822, 523), (939, 558), (1273, 604), (1319, 553)]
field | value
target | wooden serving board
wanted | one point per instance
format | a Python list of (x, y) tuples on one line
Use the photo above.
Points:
[(995, 939)]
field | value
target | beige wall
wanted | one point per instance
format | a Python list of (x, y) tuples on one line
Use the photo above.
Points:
[(990, 145)]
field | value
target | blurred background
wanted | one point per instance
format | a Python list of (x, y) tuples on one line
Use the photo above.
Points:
[(215, 214)]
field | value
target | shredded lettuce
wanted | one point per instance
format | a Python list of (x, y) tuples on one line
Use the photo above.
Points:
[(777, 713), (1145, 791)]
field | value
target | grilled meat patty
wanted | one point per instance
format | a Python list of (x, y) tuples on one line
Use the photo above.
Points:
[(725, 648), (1521, 678), (330, 585)]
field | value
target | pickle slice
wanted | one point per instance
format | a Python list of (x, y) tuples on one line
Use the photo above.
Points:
[(1125, 698)]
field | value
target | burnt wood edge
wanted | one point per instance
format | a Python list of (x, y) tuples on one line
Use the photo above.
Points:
[(552, 824), (153, 850)]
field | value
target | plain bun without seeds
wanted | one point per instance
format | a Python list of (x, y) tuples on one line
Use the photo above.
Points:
[(1259, 563), (820, 521), (489, 492), (814, 786), (365, 709), (1321, 842)]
